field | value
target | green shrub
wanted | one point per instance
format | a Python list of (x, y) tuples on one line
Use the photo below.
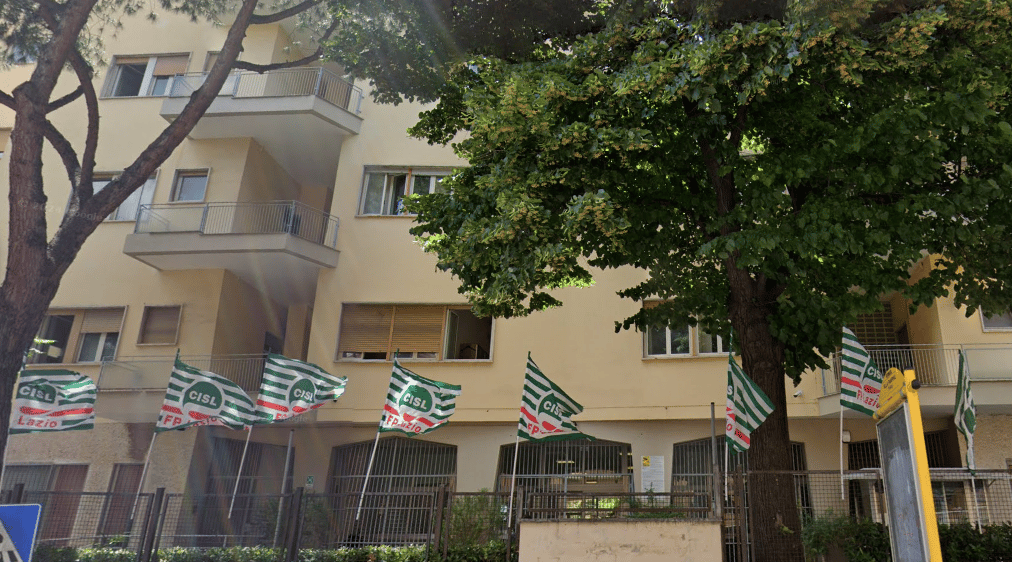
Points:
[(860, 541), (476, 521)]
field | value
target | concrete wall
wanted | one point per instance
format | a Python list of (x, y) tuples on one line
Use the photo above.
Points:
[(640, 541)]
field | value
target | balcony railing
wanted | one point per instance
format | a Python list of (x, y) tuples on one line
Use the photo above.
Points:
[(935, 364), (275, 217), (305, 81), (152, 373)]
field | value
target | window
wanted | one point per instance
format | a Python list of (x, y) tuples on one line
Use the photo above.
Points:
[(144, 76), (126, 478), (384, 189), (392, 509), (997, 322), (159, 325), (127, 211), (92, 333), (681, 340), (572, 465), (190, 185), (59, 510), (376, 332)]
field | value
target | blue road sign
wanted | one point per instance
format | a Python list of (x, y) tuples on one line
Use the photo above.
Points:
[(19, 525)]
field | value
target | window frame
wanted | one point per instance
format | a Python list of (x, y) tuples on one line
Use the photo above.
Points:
[(695, 337), (390, 326), (984, 320), (79, 328), (148, 81), (390, 203), (143, 195), (144, 319), (184, 173)]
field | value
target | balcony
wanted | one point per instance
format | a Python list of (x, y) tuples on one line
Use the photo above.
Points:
[(937, 367), (278, 247), (133, 388), (288, 112)]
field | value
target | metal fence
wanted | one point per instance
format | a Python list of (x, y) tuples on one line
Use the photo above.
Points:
[(935, 365), (273, 217), (305, 81), (441, 518)]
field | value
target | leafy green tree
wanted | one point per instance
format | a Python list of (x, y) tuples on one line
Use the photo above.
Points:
[(772, 178)]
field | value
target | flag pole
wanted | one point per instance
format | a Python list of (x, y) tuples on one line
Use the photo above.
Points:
[(284, 488), (368, 471), (843, 494), (969, 444), (238, 477), (144, 474), (24, 365)]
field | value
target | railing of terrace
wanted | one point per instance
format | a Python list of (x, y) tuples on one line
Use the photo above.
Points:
[(304, 81), (935, 365), (271, 217)]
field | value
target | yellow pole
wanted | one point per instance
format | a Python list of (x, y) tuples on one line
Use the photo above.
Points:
[(911, 384)]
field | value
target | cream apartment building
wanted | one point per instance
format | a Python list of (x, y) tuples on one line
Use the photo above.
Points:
[(276, 227)]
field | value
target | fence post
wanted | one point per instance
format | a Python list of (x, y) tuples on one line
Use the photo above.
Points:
[(151, 525), (441, 506), (18, 493), (294, 526)]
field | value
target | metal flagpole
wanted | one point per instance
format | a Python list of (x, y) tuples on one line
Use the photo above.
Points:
[(238, 476), (284, 488), (513, 479), (144, 474), (368, 471), (843, 493)]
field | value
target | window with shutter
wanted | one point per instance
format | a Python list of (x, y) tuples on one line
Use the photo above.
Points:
[(160, 325), (376, 332)]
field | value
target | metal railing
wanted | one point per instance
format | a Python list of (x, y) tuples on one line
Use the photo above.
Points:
[(287, 82), (134, 373), (272, 217), (935, 364), (441, 518)]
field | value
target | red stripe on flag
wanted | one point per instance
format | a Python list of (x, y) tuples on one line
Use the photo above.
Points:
[(171, 409), (425, 421), (31, 411), (850, 382), (528, 415), (76, 412), (391, 410), (272, 406)]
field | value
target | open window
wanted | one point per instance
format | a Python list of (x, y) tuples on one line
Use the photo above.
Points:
[(384, 189), (438, 332)]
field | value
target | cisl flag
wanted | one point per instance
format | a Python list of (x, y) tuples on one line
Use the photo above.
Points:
[(860, 379), (545, 409), (53, 400), (747, 407), (291, 387), (196, 398), (417, 405)]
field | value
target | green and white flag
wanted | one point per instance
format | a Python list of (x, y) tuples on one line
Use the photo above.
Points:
[(545, 410), (747, 407), (966, 411), (415, 404), (291, 387), (195, 398), (53, 400), (860, 379)]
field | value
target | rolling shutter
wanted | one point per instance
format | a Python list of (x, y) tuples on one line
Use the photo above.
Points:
[(365, 328), (418, 329), (103, 320)]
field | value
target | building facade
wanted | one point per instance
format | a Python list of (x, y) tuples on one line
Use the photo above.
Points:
[(277, 226)]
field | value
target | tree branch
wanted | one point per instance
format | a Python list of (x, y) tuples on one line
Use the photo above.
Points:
[(287, 13), (261, 68), (53, 106), (7, 100)]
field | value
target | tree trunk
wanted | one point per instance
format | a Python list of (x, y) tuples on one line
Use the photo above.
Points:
[(774, 520)]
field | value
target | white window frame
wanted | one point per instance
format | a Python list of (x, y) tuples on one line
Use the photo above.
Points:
[(147, 81), (143, 195), (70, 353), (100, 357), (984, 320), (388, 207), (447, 336), (189, 173), (695, 336)]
